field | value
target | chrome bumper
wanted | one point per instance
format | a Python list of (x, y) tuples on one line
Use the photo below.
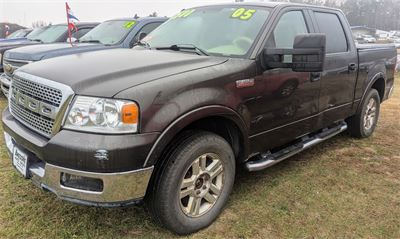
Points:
[(119, 189), (5, 83)]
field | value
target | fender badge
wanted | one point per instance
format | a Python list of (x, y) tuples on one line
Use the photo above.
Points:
[(244, 83), (101, 155)]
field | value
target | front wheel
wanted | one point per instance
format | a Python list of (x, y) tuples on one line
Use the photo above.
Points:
[(195, 184), (363, 124)]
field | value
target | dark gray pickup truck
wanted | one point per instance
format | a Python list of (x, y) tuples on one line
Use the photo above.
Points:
[(213, 88), (117, 33)]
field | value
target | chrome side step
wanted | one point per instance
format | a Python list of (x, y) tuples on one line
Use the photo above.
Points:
[(267, 160)]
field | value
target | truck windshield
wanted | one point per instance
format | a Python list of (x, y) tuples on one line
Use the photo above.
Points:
[(51, 34), (109, 32), (18, 34), (35, 33), (217, 30)]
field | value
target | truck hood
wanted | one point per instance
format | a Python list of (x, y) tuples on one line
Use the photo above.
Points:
[(4, 40), (10, 45), (17, 42), (45, 51), (105, 73)]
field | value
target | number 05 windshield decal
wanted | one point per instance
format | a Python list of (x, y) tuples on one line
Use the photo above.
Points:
[(243, 13), (184, 13)]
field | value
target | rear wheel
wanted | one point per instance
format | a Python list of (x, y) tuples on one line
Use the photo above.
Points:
[(195, 183), (363, 124)]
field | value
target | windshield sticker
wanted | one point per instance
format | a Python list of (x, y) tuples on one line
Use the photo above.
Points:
[(243, 13), (129, 24), (184, 13)]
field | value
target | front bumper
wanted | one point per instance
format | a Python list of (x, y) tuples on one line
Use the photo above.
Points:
[(118, 189), (121, 175), (5, 83)]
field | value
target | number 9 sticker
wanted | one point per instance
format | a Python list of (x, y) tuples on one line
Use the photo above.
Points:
[(243, 14)]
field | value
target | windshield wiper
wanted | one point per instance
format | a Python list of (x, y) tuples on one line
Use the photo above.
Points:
[(38, 40), (180, 47), (89, 41)]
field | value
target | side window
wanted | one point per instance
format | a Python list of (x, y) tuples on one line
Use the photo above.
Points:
[(290, 24), (80, 32), (329, 23), (150, 27)]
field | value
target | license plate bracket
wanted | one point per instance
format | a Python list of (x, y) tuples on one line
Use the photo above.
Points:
[(20, 161)]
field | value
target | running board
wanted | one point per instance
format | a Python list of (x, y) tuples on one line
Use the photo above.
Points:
[(267, 160)]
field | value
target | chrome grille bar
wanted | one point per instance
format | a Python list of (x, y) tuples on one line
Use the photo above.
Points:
[(32, 120), (38, 91)]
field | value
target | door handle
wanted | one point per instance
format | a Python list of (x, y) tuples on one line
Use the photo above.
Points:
[(352, 67), (315, 76)]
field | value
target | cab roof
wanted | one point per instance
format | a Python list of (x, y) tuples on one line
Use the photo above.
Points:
[(268, 4), (138, 19)]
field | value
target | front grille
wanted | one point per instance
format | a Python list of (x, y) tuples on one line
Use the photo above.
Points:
[(31, 119), (37, 102), (38, 91)]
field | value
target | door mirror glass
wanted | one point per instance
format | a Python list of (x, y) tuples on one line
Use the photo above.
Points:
[(307, 55)]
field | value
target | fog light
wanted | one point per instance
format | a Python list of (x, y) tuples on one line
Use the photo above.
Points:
[(82, 183)]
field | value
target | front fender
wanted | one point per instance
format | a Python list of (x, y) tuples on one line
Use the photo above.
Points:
[(180, 123)]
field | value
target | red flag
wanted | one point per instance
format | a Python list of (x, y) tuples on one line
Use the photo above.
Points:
[(71, 19)]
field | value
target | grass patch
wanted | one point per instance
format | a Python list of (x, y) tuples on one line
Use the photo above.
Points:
[(342, 188)]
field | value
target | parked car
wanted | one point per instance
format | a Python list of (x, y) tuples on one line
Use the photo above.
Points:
[(170, 120), (118, 33), (22, 33), (369, 39), (32, 34), (360, 40), (396, 42), (51, 34)]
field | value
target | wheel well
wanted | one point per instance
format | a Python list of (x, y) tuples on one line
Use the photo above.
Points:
[(225, 128), (379, 85)]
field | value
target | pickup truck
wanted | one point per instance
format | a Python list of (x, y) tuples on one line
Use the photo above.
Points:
[(17, 35), (118, 33), (213, 88), (50, 34)]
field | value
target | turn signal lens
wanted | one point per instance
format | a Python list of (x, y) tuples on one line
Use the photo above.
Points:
[(130, 114)]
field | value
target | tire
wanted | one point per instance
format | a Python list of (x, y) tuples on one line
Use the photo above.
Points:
[(184, 174), (363, 124)]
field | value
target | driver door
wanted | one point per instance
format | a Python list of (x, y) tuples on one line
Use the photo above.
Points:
[(288, 106)]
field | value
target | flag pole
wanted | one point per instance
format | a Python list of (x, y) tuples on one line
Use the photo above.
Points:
[(69, 29)]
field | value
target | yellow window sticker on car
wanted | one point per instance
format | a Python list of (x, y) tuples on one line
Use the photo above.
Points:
[(243, 13), (184, 13), (129, 24)]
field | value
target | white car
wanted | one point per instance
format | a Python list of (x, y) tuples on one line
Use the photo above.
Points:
[(397, 43), (369, 39)]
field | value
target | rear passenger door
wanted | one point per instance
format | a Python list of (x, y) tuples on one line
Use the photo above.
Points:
[(340, 71)]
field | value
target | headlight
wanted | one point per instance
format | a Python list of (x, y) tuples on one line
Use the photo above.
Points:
[(103, 115)]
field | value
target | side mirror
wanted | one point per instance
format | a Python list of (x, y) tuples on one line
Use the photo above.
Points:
[(307, 55), (73, 39), (142, 35)]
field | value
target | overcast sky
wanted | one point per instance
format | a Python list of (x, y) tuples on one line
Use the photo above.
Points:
[(24, 12)]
